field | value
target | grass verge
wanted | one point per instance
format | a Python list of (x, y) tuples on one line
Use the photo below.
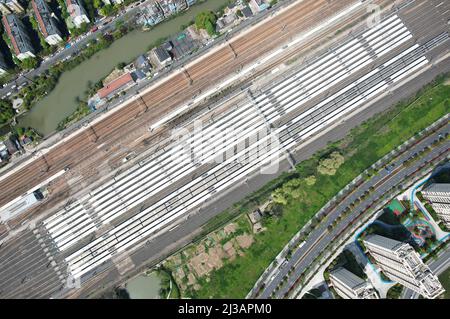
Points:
[(362, 147)]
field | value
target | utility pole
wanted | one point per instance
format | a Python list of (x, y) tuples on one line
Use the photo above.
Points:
[(188, 76), (143, 101)]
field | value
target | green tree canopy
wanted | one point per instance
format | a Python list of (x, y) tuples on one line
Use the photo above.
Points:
[(6, 111), (330, 165), (28, 63), (206, 20)]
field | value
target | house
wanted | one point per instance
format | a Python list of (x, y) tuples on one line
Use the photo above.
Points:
[(115, 86), (182, 45), (11, 145), (162, 56), (46, 22), (255, 216), (257, 6), (77, 12), (190, 2), (180, 5), (226, 22), (151, 15), (16, 32), (168, 7), (25, 140), (4, 155), (10, 6), (142, 64), (167, 45), (247, 12)]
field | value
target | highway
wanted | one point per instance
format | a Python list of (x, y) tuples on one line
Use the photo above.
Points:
[(118, 216), (145, 180), (269, 115), (123, 127), (23, 241), (320, 238), (77, 45), (302, 259)]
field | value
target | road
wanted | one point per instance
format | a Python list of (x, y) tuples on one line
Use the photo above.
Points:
[(438, 266), (320, 238), (64, 53), (175, 233), (123, 127), (316, 243), (154, 252), (47, 164)]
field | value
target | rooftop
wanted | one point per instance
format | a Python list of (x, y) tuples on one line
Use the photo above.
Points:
[(162, 54), (112, 86), (183, 44), (19, 206), (438, 188), (247, 12), (347, 278), (384, 242), (72, 6), (17, 34), (46, 22)]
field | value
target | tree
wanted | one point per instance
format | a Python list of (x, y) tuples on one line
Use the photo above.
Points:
[(108, 10), (6, 111), (97, 4), (28, 63), (330, 165), (207, 21), (279, 197), (311, 180)]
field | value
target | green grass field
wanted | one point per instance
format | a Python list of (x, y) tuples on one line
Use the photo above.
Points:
[(361, 148), (444, 278)]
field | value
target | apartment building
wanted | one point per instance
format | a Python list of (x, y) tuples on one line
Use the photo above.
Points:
[(401, 263), (10, 6), (20, 43), (3, 65), (46, 22), (77, 12), (439, 197), (350, 286)]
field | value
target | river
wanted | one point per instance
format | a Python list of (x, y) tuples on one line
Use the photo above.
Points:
[(61, 102)]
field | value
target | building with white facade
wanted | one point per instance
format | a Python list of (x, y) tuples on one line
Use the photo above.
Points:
[(3, 65), (350, 286), (439, 197), (20, 43), (401, 263), (46, 22), (77, 12), (10, 6)]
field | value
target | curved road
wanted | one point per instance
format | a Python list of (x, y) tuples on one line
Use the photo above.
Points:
[(320, 237)]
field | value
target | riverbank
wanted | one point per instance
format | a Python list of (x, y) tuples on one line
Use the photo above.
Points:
[(153, 284), (361, 148), (73, 85)]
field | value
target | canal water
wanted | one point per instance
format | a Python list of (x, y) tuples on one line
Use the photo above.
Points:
[(61, 102), (144, 287)]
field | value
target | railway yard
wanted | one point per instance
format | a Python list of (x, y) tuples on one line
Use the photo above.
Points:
[(102, 209)]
